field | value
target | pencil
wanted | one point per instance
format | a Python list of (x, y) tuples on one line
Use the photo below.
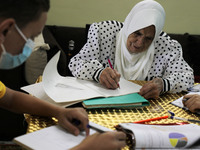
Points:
[(111, 68), (152, 119)]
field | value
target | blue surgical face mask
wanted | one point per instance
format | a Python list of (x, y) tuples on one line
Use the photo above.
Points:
[(8, 61)]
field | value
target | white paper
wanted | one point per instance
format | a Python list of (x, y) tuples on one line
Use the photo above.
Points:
[(38, 91), (68, 89), (126, 87), (195, 88), (164, 136), (53, 138)]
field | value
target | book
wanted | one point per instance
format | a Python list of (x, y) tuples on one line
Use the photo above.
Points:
[(143, 136), (72, 90), (125, 101)]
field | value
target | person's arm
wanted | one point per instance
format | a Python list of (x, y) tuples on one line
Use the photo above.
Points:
[(23, 103), (192, 102), (176, 74), (152, 89), (103, 141), (91, 63), (86, 63)]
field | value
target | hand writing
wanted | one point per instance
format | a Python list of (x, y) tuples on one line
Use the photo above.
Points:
[(110, 78)]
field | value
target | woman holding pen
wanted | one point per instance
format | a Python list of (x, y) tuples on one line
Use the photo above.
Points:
[(138, 49)]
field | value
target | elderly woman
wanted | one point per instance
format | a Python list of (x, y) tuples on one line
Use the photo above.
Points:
[(138, 49)]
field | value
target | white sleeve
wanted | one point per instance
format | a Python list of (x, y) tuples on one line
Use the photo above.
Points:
[(85, 65)]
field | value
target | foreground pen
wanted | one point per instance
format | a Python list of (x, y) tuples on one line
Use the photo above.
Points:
[(98, 127), (172, 116)]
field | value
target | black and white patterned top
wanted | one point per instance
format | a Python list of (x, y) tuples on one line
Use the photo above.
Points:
[(168, 61)]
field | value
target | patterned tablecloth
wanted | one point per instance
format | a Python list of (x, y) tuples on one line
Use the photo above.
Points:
[(111, 117)]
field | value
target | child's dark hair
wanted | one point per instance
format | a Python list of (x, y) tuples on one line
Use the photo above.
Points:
[(23, 11)]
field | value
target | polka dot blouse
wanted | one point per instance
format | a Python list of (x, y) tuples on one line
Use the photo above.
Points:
[(168, 61)]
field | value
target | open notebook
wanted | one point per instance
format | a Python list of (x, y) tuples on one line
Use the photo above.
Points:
[(72, 90), (54, 138)]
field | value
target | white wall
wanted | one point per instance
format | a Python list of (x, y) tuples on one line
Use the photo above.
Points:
[(181, 15)]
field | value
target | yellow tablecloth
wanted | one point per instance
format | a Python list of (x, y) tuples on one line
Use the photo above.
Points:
[(111, 117)]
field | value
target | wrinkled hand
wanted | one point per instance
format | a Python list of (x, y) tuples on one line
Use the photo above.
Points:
[(152, 89), (67, 115), (103, 141), (193, 102), (110, 78)]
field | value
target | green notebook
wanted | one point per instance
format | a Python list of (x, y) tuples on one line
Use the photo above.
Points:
[(124, 101)]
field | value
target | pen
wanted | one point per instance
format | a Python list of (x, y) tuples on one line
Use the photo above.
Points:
[(184, 119), (111, 67), (110, 63), (97, 129), (172, 116), (185, 99), (76, 122), (152, 119)]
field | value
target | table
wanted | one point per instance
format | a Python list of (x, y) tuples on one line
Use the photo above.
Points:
[(111, 117)]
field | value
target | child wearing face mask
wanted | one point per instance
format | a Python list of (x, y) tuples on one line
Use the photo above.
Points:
[(20, 20), (8, 61)]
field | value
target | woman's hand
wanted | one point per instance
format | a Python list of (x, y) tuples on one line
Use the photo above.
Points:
[(152, 89), (110, 78)]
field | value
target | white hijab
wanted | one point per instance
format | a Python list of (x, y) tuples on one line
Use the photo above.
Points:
[(143, 14)]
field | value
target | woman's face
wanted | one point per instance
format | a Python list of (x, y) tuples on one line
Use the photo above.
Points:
[(140, 40)]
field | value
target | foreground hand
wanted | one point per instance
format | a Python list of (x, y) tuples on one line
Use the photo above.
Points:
[(193, 102), (152, 89), (67, 115), (110, 78), (103, 141)]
